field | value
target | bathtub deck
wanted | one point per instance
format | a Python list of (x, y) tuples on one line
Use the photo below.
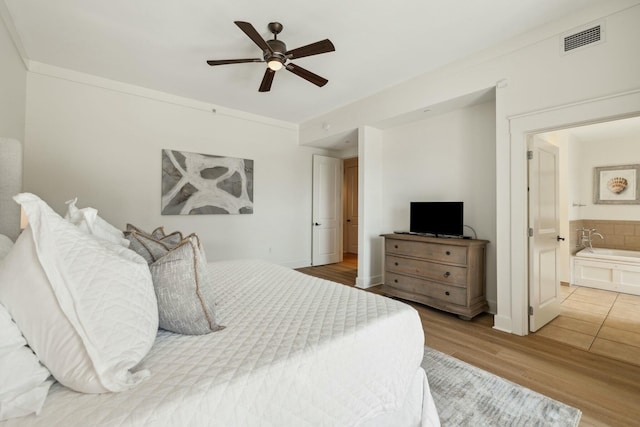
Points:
[(608, 269)]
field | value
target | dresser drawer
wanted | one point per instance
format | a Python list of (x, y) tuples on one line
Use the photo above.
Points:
[(426, 269), (445, 293), (432, 251)]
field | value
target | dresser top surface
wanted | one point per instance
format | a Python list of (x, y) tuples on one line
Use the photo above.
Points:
[(439, 240)]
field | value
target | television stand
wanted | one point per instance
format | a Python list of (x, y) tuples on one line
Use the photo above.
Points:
[(444, 273)]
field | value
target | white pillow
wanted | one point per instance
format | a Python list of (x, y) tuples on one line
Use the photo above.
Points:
[(5, 245), (23, 380), (86, 306), (87, 220)]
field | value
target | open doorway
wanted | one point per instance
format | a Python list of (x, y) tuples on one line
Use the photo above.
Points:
[(598, 313), (511, 182), (350, 208)]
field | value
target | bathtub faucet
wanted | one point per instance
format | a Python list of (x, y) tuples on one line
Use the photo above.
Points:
[(586, 237)]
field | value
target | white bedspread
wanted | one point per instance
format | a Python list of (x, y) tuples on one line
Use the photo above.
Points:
[(296, 351)]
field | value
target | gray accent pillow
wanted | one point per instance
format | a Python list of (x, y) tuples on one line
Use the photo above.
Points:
[(152, 248), (183, 290), (158, 233)]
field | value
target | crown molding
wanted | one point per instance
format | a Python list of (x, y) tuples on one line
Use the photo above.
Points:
[(13, 33), (36, 67)]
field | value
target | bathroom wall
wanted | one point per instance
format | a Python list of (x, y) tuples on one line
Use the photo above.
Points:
[(604, 144), (617, 234)]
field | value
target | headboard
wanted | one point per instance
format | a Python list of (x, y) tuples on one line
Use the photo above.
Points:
[(10, 185)]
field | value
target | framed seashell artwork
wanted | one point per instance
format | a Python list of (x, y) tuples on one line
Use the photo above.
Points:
[(616, 185)]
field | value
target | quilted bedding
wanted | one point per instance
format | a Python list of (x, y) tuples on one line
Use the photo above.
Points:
[(296, 351)]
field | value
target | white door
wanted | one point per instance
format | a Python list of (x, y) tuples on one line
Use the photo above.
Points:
[(544, 227), (327, 209)]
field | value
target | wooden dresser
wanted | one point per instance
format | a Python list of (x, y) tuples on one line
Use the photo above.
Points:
[(448, 274)]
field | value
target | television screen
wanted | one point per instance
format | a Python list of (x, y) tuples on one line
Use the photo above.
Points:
[(438, 218)]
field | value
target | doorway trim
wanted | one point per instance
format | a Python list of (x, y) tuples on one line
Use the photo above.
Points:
[(512, 245)]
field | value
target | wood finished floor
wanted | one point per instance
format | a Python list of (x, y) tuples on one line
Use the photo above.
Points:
[(607, 391)]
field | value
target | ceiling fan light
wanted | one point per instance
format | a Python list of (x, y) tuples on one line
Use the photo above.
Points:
[(275, 64)]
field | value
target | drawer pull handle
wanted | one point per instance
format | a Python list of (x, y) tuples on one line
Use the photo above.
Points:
[(447, 274), (395, 263), (396, 280), (447, 293), (395, 246), (448, 252)]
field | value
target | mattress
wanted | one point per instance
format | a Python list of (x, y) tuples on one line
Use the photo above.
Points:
[(296, 351)]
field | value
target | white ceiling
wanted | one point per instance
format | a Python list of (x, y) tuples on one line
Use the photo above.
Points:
[(163, 45)]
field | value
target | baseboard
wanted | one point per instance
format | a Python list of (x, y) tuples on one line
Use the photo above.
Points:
[(296, 264), (502, 323), (368, 282)]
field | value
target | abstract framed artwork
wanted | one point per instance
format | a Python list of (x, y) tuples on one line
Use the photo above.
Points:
[(197, 184), (616, 185)]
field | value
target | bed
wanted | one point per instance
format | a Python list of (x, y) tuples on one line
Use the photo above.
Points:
[(295, 351)]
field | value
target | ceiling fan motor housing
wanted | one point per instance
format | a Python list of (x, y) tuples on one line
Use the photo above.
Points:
[(279, 49)]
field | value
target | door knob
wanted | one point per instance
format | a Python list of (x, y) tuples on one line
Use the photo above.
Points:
[(558, 238), (317, 223), (348, 220)]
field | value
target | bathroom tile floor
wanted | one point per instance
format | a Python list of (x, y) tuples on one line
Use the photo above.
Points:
[(603, 322)]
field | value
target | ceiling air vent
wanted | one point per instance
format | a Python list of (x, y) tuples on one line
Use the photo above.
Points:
[(582, 37)]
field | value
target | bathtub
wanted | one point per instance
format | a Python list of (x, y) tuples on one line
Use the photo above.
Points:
[(610, 269)]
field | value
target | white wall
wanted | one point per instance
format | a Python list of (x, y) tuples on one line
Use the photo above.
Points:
[(13, 77), (530, 75), (370, 244), (609, 152), (449, 157), (104, 146)]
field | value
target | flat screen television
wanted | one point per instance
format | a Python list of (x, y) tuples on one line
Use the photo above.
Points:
[(437, 218)]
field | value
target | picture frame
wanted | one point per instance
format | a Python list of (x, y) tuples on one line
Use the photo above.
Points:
[(205, 184), (616, 185)]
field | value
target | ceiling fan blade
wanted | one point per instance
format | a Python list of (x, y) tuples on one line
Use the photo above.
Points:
[(213, 62), (250, 31), (307, 75), (316, 48), (265, 86)]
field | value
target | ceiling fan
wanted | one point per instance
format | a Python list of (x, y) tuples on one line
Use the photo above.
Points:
[(276, 55)]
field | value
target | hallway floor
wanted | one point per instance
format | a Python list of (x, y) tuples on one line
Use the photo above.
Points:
[(602, 322)]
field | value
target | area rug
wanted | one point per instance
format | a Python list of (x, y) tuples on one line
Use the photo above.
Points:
[(468, 396)]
